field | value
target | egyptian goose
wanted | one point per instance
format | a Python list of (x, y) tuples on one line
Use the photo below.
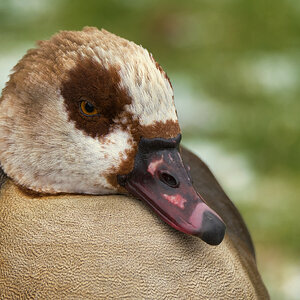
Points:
[(86, 119)]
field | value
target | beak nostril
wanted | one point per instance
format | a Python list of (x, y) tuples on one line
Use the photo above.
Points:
[(168, 179)]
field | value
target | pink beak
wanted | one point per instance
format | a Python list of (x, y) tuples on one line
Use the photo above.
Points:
[(160, 178)]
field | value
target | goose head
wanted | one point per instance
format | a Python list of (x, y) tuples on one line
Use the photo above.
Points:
[(90, 112)]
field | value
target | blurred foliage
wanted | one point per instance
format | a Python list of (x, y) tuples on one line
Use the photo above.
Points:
[(243, 55)]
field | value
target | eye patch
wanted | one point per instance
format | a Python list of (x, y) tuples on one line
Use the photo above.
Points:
[(96, 91)]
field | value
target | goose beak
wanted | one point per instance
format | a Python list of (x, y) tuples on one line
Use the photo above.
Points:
[(160, 178)]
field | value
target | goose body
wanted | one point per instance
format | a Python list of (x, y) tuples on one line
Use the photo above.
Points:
[(69, 229)]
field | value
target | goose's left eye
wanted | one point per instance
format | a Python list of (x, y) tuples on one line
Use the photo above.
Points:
[(88, 109)]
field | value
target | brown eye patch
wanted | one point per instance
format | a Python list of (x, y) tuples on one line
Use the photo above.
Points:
[(89, 81)]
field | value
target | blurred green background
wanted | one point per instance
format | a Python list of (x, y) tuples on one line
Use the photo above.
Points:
[(235, 66)]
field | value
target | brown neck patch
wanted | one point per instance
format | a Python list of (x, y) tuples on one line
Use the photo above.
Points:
[(100, 86)]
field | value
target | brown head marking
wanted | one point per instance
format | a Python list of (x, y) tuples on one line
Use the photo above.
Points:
[(90, 81)]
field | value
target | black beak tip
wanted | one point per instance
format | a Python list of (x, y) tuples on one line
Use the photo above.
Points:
[(213, 229)]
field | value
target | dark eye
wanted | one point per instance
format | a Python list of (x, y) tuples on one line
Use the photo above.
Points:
[(88, 108)]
